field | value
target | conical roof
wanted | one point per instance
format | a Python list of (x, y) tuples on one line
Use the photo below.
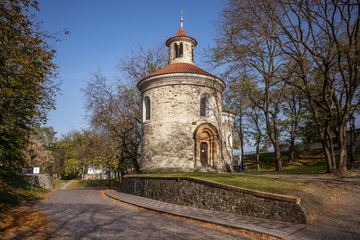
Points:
[(180, 34), (180, 68)]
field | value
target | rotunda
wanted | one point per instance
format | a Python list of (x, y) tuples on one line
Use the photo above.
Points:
[(184, 127)]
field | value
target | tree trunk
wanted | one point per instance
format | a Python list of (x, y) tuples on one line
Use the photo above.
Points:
[(292, 149), (278, 163), (241, 132), (329, 166), (273, 135), (328, 149), (258, 153), (136, 165), (342, 149)]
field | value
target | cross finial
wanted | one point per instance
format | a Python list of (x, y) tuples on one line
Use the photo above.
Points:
[(182, 19)]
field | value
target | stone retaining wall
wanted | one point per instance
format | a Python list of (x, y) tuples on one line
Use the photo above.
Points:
[(217, 197), (44, 181)]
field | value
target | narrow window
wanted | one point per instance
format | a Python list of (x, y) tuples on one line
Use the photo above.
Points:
[(181, 50), (203, 106), (192, 53), (147, 108), (229, 141), (176, 50)]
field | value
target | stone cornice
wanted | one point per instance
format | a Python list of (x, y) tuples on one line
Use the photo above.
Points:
[(181, 79)]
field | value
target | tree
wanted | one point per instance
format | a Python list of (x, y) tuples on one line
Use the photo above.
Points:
[(246, 41), (311, 45), (293, 108), (142, 62), (115, 106), (240, 99), (47, 136), (115, 113), (27, 78), (42, 143), (78, 150), (322, 40)]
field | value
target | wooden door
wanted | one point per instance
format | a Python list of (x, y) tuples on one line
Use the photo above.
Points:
[(204, 153)]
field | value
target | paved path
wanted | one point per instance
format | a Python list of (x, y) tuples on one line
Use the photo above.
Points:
[(88, 214), (274, 228)]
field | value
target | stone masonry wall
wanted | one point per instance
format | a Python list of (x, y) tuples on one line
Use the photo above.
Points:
[(44, 181), (217, 197), (168, 137)]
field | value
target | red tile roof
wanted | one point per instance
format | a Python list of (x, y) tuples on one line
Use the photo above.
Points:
[(181, 34), (180, 68)]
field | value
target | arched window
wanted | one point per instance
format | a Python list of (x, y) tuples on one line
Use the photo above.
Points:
[(147, 108), (204, 106)]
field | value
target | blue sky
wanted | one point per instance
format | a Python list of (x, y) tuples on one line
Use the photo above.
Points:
[(101, 32)]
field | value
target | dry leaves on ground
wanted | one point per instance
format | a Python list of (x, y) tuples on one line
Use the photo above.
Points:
[(24, 223)]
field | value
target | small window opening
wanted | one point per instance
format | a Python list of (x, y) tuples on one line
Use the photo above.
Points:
[(147, 108), (192, 53), (181, 50), (204, 105), (176, 50)]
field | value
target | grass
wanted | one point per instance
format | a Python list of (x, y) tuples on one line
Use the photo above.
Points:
[(314, 195), (89, 183), (15, 189), (316, 168), (305, 162), (18, 220), (271, 185), (58, 182)]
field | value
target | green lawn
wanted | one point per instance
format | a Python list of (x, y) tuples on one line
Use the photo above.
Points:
[(58, 182), (271, 185), (318, 168), (305, 162), (88, 183), (314, 195)]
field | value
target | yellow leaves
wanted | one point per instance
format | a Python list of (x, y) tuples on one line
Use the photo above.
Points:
[(25, 223)]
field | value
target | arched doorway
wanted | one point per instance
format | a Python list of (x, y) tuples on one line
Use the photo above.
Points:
[(206, 146)]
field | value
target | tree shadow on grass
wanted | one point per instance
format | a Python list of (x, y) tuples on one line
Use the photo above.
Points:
[(14, 189)]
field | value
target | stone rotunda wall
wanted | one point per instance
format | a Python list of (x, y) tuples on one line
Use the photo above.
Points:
[(168, 136)]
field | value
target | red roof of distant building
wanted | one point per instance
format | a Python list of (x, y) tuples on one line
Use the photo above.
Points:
[(180, 68)]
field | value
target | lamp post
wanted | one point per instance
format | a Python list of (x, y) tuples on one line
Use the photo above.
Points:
[(352, 145), (32, 157)]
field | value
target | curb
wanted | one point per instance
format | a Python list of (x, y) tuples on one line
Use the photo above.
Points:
[(208, 216)]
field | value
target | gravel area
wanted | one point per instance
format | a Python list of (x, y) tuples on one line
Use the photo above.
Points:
[(341, 221)]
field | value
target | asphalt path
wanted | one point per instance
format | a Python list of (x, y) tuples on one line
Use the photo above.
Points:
[(88, 214)]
